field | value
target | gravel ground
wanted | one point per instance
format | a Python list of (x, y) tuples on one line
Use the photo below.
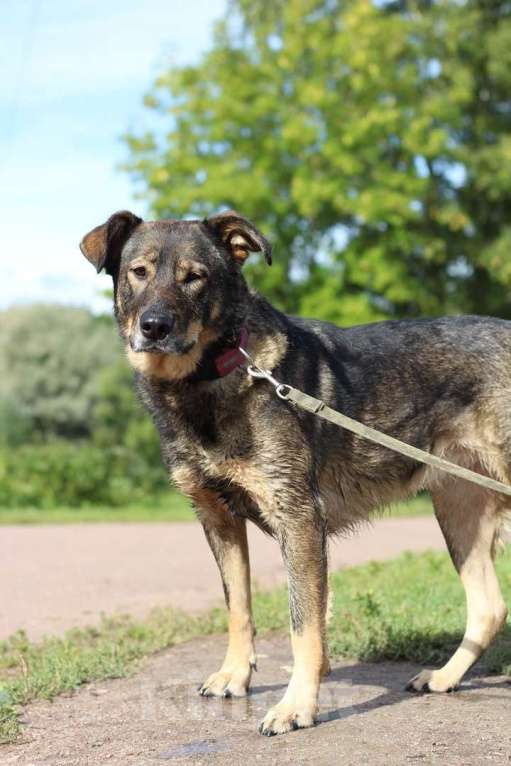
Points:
[(366, 718)]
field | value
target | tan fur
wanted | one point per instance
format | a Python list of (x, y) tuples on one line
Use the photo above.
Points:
[(164, 366), (469, 519), (173, 366), (186, 480), (236, 670), (238, 244), (149, 263), (299, 705), (186, 267), (129, 324), (251, 478), (269, 350), (93, 241), (227, 538)]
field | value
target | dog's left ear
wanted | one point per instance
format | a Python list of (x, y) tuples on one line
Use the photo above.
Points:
[(240, 236), (102, 246)]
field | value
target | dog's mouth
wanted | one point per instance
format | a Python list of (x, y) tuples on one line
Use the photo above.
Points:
[(175, 347), (168, 346), (162, 334)]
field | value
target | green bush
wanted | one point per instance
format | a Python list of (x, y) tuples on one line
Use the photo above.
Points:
[(51, 360), (58, 473), (119, 418), (15, 425), (72, 432)]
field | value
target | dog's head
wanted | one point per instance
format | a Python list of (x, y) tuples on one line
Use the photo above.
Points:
[(178, 285)]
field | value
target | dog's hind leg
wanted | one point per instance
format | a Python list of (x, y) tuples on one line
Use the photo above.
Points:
[(469, 520), (227, 537), (303, 545)]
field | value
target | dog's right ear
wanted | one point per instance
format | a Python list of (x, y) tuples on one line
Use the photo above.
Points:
[(102, 246), (239, 235)]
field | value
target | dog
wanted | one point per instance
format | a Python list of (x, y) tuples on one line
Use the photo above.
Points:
[(240, 453)]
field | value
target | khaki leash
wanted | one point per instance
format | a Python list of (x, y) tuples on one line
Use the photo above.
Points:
[(319, 408)]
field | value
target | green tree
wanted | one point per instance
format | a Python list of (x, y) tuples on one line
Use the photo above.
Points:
[(370, 140), (51, 359)]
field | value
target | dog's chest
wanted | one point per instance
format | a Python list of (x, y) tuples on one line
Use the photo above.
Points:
[(226, 458), (231, 460), (220, 444), (216, 440)]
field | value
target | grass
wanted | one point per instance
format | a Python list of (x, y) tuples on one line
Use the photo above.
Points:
[(416, 506), (411, 608), (170, 506)]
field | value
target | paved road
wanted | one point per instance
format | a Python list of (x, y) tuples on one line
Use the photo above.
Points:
[(56, 577), (157, 717)]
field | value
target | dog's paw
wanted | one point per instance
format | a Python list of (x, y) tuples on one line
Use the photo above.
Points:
[(227, 683), (286, 717), (432, 681)]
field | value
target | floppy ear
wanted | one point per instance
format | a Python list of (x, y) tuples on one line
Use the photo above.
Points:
[(240, 236), (102, 246)]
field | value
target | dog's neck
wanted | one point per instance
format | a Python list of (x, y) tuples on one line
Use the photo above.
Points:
[(221, 358)]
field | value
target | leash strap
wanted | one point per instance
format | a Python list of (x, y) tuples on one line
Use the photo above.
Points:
[(319, 408)]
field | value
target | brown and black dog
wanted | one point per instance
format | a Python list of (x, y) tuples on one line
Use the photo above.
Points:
[(239, 452)]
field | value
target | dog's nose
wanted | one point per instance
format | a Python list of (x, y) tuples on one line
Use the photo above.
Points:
[(156, 326)]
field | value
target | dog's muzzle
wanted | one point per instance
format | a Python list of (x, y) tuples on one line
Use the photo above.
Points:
[(156, 326), (156, 333)]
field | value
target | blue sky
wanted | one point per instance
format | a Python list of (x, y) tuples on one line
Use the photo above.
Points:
[(72, 77)]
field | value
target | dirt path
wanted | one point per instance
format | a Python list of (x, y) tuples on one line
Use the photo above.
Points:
[(157, 717), (56, 577)]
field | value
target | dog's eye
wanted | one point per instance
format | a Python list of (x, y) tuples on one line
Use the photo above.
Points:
[(193, 276), (140, 272)]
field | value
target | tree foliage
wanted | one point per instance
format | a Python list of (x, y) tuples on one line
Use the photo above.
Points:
[(119, 418), (51, 359), (370, 140), (63, 374), (71, 430), (69, 473)]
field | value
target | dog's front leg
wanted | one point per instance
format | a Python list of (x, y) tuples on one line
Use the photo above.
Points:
[(227, 537), (303, 544)]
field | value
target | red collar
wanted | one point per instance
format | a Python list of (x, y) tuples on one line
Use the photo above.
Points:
[(231, 358)]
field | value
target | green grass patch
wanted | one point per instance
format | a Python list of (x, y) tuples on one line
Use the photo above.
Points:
[(416, 506), (411, 608), (167, 506), (112, 650)]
